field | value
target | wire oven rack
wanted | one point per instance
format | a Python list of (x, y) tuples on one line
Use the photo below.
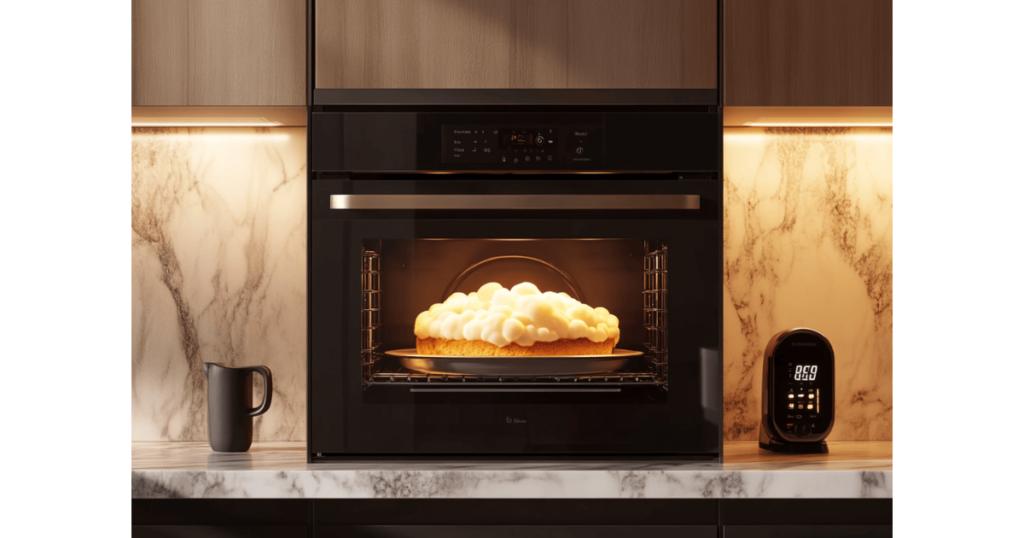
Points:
[(402, 377)]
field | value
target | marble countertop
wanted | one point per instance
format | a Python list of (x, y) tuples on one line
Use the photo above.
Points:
[(166, 470)]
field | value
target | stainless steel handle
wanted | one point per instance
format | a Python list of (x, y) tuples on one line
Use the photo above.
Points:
[(515, 201), (515, 390)]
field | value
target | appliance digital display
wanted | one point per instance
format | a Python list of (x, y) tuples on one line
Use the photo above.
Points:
[(537, 137), (805, 372), (517, 139)]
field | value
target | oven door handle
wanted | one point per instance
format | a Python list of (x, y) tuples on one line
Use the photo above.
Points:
[(530, 389), (516, 201)]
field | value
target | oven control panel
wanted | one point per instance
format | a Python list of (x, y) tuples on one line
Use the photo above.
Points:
[(520, 148)]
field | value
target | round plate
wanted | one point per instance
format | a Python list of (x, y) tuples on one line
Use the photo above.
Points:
[(514, 366)]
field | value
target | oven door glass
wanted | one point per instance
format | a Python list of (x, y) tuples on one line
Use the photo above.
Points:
[(438, 335)]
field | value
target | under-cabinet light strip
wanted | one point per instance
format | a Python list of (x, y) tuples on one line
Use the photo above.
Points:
[(797, 124)]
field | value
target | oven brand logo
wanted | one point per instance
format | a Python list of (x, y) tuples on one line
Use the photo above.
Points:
[(510, 420)]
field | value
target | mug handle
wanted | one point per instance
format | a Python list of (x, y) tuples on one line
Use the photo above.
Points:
[(268, 389)]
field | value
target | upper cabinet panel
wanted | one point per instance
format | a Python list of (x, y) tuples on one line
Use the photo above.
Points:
[(516, 44), (808, 53), (159, 52), (219, 53)]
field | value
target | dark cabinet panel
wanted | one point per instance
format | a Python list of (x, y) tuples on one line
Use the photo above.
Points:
[(221, 531), (218, 512), (517, 531), (540, 512), (808, 52), (803, 512), (806, 531)]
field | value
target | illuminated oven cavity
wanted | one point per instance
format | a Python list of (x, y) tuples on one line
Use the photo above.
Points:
[(401, 278)]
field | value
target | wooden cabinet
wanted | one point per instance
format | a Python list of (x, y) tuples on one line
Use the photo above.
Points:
[(516, 44), (807, 52), (218, 53)]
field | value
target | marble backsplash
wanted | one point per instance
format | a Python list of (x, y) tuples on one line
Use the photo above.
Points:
[(808, 243), (218, 273), (218, 269)]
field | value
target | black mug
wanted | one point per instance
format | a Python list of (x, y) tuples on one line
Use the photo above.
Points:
[(228, 399)]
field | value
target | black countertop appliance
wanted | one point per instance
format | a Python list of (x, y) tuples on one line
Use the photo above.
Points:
[(798, 387)]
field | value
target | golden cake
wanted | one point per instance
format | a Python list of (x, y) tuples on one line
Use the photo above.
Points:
[(518, 322)]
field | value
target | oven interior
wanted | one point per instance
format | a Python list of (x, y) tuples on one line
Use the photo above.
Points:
[(402, 277)]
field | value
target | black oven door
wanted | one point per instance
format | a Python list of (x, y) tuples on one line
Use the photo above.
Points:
[(384, 251)]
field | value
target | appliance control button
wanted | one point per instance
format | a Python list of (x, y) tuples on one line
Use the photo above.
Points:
[(550, 157), (803, 428), (791, 406), (810, 396), (540, 139), (790, 395), (515, 160), (579, 150)]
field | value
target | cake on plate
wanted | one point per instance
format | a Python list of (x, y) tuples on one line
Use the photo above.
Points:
[(498, 322)]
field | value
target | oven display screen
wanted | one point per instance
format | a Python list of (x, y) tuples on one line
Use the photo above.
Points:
[(539, 138), (517, 139)]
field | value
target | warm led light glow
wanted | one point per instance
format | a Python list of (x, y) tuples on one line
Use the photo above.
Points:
[(815, 124), (204, 122), (219, 136)]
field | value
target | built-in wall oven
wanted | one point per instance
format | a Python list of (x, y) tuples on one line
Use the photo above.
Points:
[(467, 262)]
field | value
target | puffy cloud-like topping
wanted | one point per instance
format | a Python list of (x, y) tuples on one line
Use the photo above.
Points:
[(523, 315)]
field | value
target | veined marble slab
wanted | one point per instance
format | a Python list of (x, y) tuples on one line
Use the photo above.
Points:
[(808, 243), (218, 273), (279, 470)]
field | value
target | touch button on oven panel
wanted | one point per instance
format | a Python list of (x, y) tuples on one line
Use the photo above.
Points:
[(469, 144), (584, 145)]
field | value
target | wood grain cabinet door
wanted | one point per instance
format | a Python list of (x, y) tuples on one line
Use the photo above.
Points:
[(516, 44), (807, 52), (219, 52)]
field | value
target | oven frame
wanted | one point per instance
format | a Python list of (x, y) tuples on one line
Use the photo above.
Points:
[(338, 427)]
